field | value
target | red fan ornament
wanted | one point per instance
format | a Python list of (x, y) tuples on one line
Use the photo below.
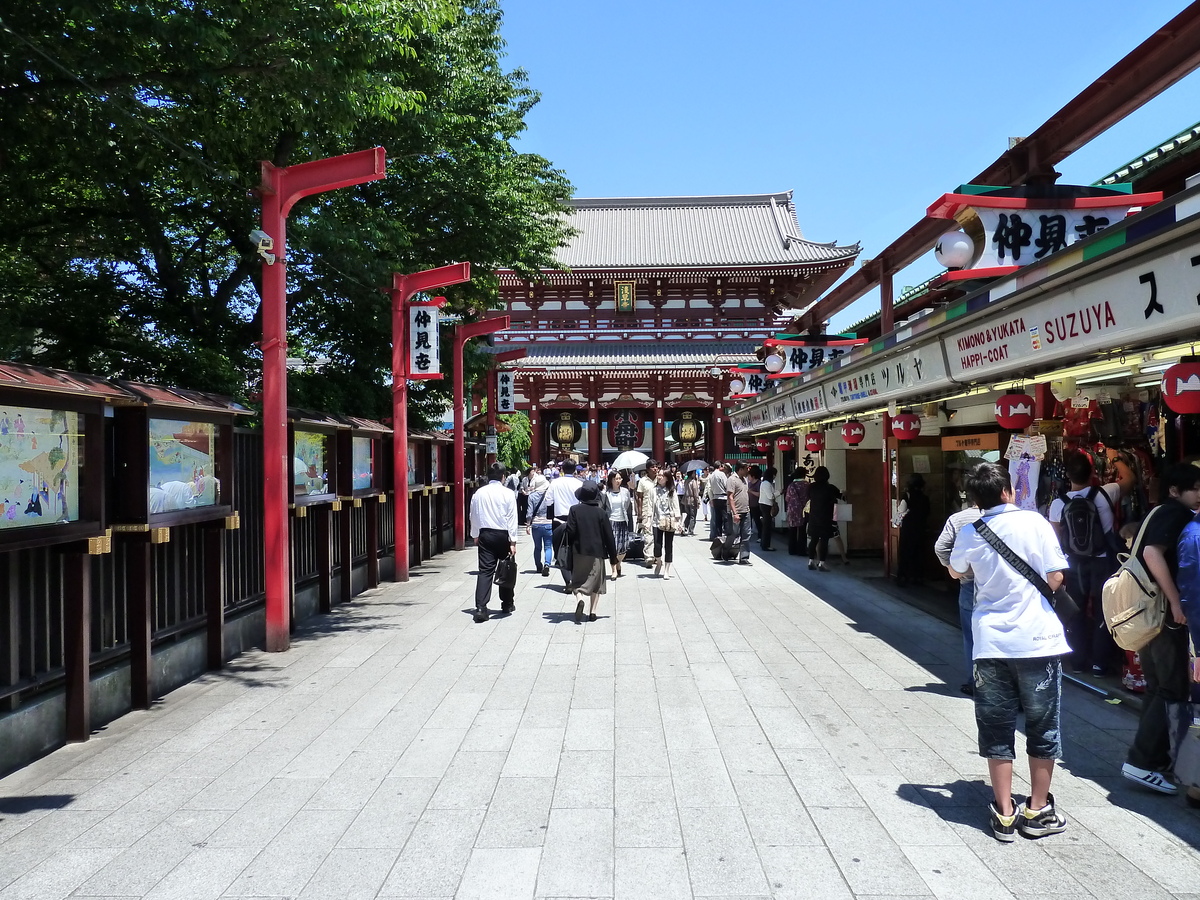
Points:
[(814, 442), (906, 426), (1181, 386), (786, 443), (853, 432), (1014, 411)]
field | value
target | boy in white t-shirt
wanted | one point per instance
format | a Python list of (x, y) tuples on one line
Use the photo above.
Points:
[(1018, 646)]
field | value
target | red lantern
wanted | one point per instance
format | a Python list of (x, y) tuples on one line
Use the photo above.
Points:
[(786, 443), (745, 444), (1181, 386), (906, 426), (853, 432), (763, 445), (1014, 411), (814, 442)]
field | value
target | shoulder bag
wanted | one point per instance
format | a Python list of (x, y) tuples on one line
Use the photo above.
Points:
[(1060, 601)]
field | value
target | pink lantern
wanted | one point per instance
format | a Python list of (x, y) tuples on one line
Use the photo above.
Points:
[(814, 442), (1014, 411), (906, 426), (853, 432), (1181, 386)]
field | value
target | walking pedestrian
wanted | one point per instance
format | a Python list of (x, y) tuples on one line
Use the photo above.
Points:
[(494, 528), (822, 501), (620, 515), (795, 500), (590, 537), (768, 508), (717, 495), (644, 499), (541, 526), (1018, 647), (737, 517), (942, 548), (692, 490), (665, 522)]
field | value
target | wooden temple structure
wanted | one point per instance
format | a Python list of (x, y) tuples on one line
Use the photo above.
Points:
[(629, 341)]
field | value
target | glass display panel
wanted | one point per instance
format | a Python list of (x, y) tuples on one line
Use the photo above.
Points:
[(311, 463), (41, 451), (362, 458), (183, 465), (435, 469), (412, 465)]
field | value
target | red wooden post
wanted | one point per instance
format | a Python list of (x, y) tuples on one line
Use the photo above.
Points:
[(281, 188), (403, 289), (537, 453)]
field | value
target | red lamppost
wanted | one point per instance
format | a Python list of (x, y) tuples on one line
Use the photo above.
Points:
[(403, 289), (280, 189), (462, 334)]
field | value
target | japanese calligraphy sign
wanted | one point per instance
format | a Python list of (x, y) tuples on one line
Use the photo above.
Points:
[(802, 359), (753, 384), (899, 376), (1147, 298), (424, 348), (808, 404), (506, 400), (1017, 237), (625, 293)]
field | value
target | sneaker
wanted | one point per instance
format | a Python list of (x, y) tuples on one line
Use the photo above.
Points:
[(811, 565), (1041, 822), (1004, 827), (545, 571), (591, 617), (823, 567), (1147, 778), (745, 562)]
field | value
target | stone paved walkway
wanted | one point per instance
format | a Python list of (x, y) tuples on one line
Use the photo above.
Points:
[(737, 731)]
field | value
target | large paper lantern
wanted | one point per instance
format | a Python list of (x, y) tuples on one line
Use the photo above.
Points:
[(954, 250), (1181, 386), (1014, 411), (853, 432), (814, 442), (786, 442), (745, 444), (906, 426), (762, 445)]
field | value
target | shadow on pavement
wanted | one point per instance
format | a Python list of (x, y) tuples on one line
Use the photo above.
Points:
[(15, 806)]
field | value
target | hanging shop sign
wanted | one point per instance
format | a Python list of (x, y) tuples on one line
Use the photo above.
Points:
[(853, 432), (808, 404), (506, 395), (900, 377), (424, 347), (906, 426), (799, 355), (814, 442), (786, 442), (687, 430), (626, 428), (747, 384), (752, 419), (567, 431), (964, 443), (1014, 411), (1137, 304), (1181, 386)]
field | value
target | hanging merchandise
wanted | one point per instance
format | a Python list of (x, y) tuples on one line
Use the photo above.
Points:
[(1014, 411), (814, 442), (906, 425), (1181, 386), (853, 432)]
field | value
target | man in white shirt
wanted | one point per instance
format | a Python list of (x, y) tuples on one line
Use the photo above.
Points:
[(564, 491), (1018, 645), (643, 497), (494, 528)]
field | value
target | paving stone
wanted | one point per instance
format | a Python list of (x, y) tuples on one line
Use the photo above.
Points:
[(722, 859), (491, 874), (436, 854), (518, 814), (650, 873), (577, 858)]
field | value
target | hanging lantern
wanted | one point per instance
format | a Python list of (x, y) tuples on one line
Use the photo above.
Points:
[(853, 432), (687, 430), (762, 445), (736, 386), (814, 442), (1181, 386), (745, 444), (906, 426), (774, 362), (786, 442), (1014, 411), (566, 431)]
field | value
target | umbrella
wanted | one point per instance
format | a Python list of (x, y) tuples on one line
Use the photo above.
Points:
[(694, 465), (632, 460)]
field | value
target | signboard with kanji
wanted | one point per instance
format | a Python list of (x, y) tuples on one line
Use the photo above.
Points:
[(626, 295), (424, 358), (506, 400)]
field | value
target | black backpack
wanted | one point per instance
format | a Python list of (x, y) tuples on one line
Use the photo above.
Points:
[(1083, 532)]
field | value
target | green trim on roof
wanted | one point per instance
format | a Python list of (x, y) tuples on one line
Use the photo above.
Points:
[(1152, 159)]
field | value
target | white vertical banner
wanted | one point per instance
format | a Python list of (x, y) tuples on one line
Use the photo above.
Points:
[(506, 400), (424, 348)]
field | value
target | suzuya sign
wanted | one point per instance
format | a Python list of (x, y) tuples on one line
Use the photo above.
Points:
[(506, 397), (1144, 300)]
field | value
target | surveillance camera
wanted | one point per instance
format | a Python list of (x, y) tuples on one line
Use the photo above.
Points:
[(262, 241)]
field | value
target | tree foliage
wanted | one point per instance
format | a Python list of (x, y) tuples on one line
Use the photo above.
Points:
[(513, 446), (130, 141)]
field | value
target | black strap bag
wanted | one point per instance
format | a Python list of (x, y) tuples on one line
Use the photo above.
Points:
[(1060, 601), (506, 570)]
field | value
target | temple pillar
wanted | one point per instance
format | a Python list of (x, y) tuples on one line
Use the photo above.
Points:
[(659, 433), (717, 432), (536, 450), (595, 435)]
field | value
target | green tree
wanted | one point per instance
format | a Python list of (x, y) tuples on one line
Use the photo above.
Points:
[(130, 137), (513, 446)]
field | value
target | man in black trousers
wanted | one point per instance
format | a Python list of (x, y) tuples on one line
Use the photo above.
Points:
[(494, 528)]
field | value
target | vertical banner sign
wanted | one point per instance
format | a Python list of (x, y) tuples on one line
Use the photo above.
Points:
[(626, 294), (506, 401), (424, 348)]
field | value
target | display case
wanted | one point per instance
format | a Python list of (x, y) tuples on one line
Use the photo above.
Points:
[(173, 453), (313, 462), (53, 478), (360, 455)]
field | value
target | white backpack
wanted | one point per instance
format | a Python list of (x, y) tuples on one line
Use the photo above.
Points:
[(1134, 607)]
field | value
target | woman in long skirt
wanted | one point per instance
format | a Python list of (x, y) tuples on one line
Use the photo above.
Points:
[(590, 537), (620, 516)]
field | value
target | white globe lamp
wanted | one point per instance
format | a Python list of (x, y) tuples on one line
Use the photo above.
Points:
[(736, 385), (774, 363), (954, 250)]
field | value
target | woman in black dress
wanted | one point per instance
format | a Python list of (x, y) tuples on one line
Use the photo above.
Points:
[(913, 512), (822, 501)]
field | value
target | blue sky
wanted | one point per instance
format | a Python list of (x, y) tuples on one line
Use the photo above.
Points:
[(868, 110)]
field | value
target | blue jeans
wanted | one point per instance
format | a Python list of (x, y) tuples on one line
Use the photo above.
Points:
[(1004, 687), (966, 605), (541, 544)]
